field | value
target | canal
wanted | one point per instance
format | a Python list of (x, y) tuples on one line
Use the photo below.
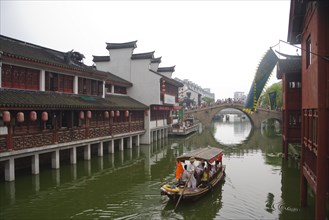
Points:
[(126, 185)]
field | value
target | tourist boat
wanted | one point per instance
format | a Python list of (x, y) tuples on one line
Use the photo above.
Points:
[(180, 191), (189, 126)]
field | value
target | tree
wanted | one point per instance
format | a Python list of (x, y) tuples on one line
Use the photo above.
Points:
[(276, 87), (208, 100)]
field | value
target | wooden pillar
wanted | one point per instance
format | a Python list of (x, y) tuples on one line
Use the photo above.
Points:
[(55, 159), (303, 181), (10, 170), (73, 155), (35, 164), (322, 166), (285, 146)]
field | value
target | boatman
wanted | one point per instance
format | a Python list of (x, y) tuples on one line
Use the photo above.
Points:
[(179, 171)]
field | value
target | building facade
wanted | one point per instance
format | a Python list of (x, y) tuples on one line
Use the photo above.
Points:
[(51, 102), (194, 93), (289, 71), (152, 86), (309, 27)]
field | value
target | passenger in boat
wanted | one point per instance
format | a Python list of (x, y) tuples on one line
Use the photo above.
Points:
[(185, 175), (205, 179), (212, 169), (199, 170), (191, 170), (218, 165)]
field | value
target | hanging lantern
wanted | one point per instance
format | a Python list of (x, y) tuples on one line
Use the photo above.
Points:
[(106, 114), (89, 114), (146, 112), (163, 86), (112, 114), (163, 90), (44, 116), (33, 116), (127, 113), (6, 116), (20, 117), (82, 115), (163, 81), (117, 113)]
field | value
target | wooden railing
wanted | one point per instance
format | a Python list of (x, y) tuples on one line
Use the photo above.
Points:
[(65, 135)]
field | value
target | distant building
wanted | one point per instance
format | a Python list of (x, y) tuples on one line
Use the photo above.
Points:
[(240, 96), (194, 92)]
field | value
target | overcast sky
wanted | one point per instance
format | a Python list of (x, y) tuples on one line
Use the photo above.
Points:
[(215, 44)]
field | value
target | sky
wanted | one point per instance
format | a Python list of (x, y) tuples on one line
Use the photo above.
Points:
[(216, 44)]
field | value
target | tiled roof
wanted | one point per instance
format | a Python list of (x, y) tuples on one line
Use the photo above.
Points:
[(288, 66), (101, 58), (37, 54), (166, 69), (124, 102), (34, 52), (131, 44), (173, 81), (156, 60), (113, 79), (148, 55), (17, 99)]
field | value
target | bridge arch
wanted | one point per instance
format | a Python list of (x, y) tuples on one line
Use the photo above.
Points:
[(206, 115)]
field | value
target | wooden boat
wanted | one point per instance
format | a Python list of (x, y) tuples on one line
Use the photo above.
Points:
[(179, 190)]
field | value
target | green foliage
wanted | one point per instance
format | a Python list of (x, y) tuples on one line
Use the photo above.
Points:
[(274, 87), (208, 100)]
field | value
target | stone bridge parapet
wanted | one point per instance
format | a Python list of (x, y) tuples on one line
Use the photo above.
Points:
[(206, 115)]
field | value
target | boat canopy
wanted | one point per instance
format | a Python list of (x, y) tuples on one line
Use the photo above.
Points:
[(209, 154)]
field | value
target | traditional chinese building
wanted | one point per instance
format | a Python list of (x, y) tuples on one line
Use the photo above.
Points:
[(50, 101), (289, 70), (309, 27), (153, 86)]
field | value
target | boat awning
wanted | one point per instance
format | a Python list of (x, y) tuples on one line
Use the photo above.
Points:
[(209, 154)]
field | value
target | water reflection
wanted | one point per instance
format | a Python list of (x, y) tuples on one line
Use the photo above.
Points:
[(125, 185), (232, 131)]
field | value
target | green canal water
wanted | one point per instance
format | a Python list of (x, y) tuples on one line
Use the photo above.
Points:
[(126, 185)]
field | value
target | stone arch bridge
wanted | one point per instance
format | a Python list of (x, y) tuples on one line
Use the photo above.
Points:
[(206, 115)]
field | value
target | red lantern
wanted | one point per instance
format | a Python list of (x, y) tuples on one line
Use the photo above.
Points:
[(163, 81), (82, 115), (20, 117), (163, 90), (163, 86), (106, 114), (112, 114), (89, 114), (44, 116), (146, 112), (117, 113), (33, 116), (127, 113), (6, 116)]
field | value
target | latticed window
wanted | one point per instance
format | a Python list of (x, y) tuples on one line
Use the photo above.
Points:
[(310, 131), (59, 82), (20, 77)]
